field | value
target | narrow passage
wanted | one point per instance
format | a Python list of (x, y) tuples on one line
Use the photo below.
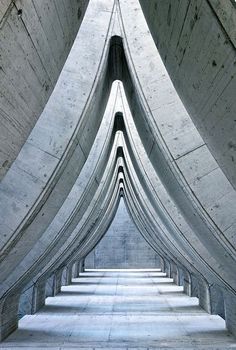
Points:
[(121, 309)]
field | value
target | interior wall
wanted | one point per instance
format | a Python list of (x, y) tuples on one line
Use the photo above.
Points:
[(122, 246)]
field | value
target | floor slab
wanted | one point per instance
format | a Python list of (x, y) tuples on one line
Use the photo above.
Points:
[(121, 309)]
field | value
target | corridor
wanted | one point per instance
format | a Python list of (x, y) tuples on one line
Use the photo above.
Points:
[(121, 309)]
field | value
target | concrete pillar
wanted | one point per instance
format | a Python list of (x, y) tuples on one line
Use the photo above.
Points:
[(204, 295), (187, 282), (181, 276), (39, 295), (63, 276), (194, 286), (175, 273), (75, 270), (68, 275), (82, 265), (49, 286), (167, 268), (230, 311), (8, 315), (26, 302), (162, 264), (217, 301), (57, 282), (78, 268)]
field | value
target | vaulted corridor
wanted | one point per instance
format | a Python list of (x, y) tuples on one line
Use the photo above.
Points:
[(119, 309), (117, 150)]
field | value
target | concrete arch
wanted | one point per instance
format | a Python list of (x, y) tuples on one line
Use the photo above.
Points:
[(111, 142), (43, 33), (118, 42), (204, 59)]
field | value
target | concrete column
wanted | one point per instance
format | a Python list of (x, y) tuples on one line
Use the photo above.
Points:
[(175, 273), (69, 275), (194, 286), (26, 302), (49, 286), (187, 282), (75, 270), (82, 265), (39, 295), (57, 282), (204, 295), (8, 315), (167, 268), (162, 264), (230, 311), (217, 301), (63, 276), (181, 276)]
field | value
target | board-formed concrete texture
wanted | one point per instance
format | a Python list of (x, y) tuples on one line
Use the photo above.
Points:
[(142, 110), (122, 247), (197, 42), (36, 37)]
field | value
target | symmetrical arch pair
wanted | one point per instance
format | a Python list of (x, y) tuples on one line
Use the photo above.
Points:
[(87, 149)]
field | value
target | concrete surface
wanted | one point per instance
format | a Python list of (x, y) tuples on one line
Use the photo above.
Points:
[(197, 43), (122, 246), (95, 142), (118, 310), (36, 38)]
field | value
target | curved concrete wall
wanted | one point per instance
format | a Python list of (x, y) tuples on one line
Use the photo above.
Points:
[(62, 192), (36, 38), (196, 41)]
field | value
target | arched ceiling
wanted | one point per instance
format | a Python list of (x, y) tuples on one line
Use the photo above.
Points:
[(114, 125)]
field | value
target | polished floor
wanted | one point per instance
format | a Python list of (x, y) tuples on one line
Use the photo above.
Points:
[(120, 310)]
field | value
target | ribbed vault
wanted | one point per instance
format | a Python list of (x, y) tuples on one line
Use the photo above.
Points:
[(115, 126)]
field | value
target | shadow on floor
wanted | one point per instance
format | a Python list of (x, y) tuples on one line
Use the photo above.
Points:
[(61, 309), (74, 292)]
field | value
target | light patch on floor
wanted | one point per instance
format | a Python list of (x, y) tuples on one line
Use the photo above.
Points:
[(121, 309)]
